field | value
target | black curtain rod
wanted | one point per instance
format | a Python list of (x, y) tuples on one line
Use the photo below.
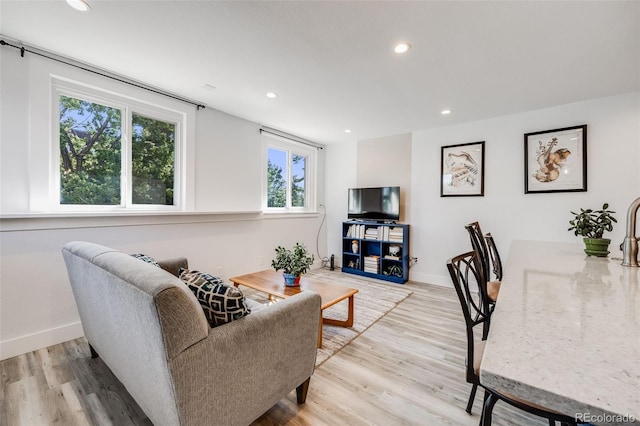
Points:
[(265, 129), (22, 50)]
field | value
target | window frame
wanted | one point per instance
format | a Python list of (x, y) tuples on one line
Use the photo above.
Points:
[(128, 107), (311, 159)]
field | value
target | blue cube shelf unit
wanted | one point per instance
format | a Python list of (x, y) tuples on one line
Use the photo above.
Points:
[(376, 250)]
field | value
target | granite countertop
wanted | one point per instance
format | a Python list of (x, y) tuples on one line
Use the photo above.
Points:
[(565, 333)]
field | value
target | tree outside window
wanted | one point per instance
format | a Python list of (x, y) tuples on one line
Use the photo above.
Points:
[(91, 152), (286, 179), (276, 178), (152, 161), (298, 180)]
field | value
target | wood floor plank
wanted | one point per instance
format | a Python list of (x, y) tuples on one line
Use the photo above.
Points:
[(25, 401), (406, 369)]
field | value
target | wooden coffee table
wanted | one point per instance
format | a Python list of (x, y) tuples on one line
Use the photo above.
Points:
[(272, 283)]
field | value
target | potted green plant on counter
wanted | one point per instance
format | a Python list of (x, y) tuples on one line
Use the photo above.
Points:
[(592, 224), (292, 262)]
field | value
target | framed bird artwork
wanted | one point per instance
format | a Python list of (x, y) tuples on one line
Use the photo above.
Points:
[(462, 170)]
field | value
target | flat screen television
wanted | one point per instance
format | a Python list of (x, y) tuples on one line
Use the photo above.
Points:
[(382, 203)]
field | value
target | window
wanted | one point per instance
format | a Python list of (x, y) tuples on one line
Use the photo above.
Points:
[(115, 153), (152, 161), (90, 152), (290, 176)]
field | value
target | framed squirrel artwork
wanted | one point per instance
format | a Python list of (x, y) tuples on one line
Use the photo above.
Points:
[(556, 160)]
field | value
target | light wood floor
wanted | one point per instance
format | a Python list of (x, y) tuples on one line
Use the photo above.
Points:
[(407, 369)]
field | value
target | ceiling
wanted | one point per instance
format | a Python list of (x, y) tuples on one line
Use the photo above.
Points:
[(332, 63)]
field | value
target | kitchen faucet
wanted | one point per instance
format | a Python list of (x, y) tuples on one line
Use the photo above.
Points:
[(630, 243)]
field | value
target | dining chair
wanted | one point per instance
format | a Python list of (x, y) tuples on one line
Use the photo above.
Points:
[(465, 269), (479, 244), (465, 272), (493, 286)]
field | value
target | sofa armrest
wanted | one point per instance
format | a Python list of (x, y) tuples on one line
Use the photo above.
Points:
[(173, 265), (243, 368)]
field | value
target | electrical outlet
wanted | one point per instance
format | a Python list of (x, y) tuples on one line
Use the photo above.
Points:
[(219, 271), (260, 260)]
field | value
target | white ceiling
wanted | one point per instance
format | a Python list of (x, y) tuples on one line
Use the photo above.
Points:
[(332, 62)]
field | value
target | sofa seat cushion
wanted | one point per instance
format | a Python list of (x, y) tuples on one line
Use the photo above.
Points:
[(220, 303)]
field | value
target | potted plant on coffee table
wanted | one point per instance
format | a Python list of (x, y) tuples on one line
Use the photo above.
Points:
[(591, 224), (292, 262)]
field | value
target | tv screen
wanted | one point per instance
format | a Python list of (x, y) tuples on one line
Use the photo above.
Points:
[(381, 203)]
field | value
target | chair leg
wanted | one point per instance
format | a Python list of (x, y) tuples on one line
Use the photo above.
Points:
[(484, 399), (487, 411), (472, 397), (301, 391)]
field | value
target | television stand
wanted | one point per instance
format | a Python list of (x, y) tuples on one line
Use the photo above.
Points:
[(375, 249)]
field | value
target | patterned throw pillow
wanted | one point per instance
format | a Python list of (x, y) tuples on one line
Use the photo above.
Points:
[(146, 258), (221, 303)]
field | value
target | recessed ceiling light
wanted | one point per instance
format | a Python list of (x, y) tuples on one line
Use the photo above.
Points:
[(347, 131), (80, 5), (446, 112), (402, 47), (271, 95)]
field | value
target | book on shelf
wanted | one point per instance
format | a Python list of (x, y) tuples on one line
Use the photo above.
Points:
[(378, 233), (390, 257), (396, 234), (381, 233), (371, 234), (371, 264), (355, 231)]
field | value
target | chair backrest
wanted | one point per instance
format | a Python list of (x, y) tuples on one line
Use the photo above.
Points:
[(464, 270), (494, 256), (479, 244)]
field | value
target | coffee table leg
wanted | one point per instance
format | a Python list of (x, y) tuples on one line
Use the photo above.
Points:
[(348, 322), (320, 332), (330, 321), (350, 313)]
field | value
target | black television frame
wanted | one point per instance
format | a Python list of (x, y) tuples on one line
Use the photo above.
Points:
[(378, 216)]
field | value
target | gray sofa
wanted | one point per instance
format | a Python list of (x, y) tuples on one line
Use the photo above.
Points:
[(148, 327)]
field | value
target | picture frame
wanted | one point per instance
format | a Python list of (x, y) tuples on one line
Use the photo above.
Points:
[(556, 160), (462, 170)]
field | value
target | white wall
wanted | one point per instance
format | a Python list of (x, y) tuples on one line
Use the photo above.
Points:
[(36, 304), (229, 166), (613, 154), (390, 157), (14, 134), (342, 165)]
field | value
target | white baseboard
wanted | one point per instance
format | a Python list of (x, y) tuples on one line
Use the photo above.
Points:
[(31, 342)]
